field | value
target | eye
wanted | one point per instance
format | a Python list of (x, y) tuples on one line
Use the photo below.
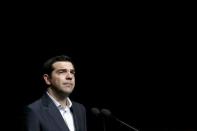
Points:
[(72, 72), (62, 71)]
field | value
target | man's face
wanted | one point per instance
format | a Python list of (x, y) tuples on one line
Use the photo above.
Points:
[(62, 77)]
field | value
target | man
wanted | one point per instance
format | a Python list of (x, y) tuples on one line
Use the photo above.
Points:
[(54, 111)]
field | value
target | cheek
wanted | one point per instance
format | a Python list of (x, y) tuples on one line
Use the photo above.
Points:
[(56, 82)]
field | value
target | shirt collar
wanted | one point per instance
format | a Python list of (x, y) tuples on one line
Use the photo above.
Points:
[(57, 103)]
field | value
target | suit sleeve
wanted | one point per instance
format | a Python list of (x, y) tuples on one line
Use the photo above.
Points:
[(30, 121)]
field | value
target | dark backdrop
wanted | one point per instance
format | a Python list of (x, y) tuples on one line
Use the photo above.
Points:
[(148, 87), (137, 62)]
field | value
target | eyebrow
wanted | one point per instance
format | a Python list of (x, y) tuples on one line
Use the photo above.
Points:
[(66, 70)]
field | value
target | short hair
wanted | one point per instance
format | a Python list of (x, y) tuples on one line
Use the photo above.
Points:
[(47, 66)]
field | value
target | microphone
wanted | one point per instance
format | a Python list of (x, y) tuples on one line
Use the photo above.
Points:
[(108, 113), (95, 111)]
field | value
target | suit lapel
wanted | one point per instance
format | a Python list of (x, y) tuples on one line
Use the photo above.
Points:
[(54, 113), (74, 112)]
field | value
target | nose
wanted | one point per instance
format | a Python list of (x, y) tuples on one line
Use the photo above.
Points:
[(69, 76)]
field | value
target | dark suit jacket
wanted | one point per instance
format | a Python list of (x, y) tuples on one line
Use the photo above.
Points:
[(43, 115)]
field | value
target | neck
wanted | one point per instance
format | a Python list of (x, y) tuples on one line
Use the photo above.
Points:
[(60, 97)]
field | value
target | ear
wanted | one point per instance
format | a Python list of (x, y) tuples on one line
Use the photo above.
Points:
[(47, 79)]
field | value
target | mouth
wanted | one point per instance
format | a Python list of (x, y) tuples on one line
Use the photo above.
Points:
[(68, 84)]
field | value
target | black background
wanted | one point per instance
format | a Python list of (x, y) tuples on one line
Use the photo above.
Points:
[(137, 63), (149, 88)]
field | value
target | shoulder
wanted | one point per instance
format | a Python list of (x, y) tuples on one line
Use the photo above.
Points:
[(31, 112), (78, 105), (33, 109), (38, 104), (34, 105)]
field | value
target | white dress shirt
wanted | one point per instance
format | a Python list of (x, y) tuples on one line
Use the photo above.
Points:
[(65, 112)]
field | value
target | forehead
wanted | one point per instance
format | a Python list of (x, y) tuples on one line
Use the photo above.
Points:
[(63, 65)]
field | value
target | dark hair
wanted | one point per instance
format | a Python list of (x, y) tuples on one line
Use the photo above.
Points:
[(48, 68)]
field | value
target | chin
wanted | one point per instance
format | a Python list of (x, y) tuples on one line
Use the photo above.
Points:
[(67, 92)]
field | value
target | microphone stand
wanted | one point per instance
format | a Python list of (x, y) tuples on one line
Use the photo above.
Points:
[(104, 124), (125, 124), (107, 112)]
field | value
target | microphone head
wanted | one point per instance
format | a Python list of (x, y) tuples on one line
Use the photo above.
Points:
[(95, 111), (106, 112)]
